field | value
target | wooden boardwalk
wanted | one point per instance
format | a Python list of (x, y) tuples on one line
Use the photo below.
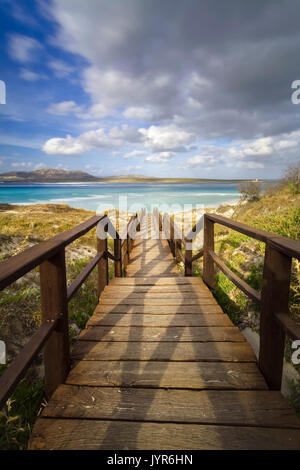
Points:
[(160, 366)]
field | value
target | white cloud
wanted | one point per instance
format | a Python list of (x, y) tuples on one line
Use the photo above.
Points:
[(160, 138), (61, 69), (135, 153), (63, 108), (202, 160), (30, 76), (161, 157), (65, 146), (23, 48), (116, 137)]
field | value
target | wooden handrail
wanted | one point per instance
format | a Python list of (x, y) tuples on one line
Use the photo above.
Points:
[(22, 362), (285, 245), (82, 276), (53, 333), (242, 285), (275, 321), (19, 265)]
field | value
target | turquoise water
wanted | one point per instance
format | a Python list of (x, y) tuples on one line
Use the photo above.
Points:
[(125, 196)]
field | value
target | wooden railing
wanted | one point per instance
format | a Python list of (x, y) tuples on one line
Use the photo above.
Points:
[(275, 321), (53, 334)]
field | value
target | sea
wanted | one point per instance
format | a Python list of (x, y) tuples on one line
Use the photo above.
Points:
[(100, 196)]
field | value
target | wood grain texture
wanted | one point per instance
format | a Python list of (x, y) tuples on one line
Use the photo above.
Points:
[(120, 435), (129, 319), (160, 366), (158, 309), (155, 374), (170, 333), (155, 351), (230, 407)]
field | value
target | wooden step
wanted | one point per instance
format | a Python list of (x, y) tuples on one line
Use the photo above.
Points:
[(155, 351), (170, 333), (227, 407), (155, 374), (85, 434), (155, 281), (159, 309), (111, 300), (129, 319)]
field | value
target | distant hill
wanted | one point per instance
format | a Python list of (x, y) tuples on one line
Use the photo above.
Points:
[(52, 175), (46, 175)]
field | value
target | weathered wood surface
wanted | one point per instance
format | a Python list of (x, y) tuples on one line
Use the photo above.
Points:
[(251, 408), (132, 319), (156, 374), (153, 351), (90, 434), (169, 333), (160, 366)]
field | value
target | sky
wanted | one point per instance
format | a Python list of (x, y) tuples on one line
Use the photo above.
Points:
[(170, 88)]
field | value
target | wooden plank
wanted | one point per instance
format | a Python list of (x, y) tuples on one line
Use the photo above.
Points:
[(118, 294), (170, 333), (171, 289), (227, 407), (158, 310), (63, 434), (157, 281), (109, 300), (154, 351), (116, 319), (156, 374)]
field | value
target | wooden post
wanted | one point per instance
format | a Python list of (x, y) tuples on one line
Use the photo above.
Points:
[(54, 305), (125, 250), (178, 246), (188, 265), (274, 299), (102, 265), (208, 264), (118, 254), (172, 235)]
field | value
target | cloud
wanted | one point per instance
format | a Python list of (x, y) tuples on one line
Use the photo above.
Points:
[(94, 139), (30, 76), (135, 153), (61, 69), (63, 108), (160, 138), (162, 157), (23, 48)]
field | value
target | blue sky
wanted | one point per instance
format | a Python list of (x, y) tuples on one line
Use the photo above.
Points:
[(136, 86)]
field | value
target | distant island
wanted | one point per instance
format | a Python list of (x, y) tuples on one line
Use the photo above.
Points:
[(52, 175)]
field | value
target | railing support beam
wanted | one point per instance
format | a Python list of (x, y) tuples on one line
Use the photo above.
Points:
[(117, 253), (208, 263), (274, 300), (55, 306), (102, 265)]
